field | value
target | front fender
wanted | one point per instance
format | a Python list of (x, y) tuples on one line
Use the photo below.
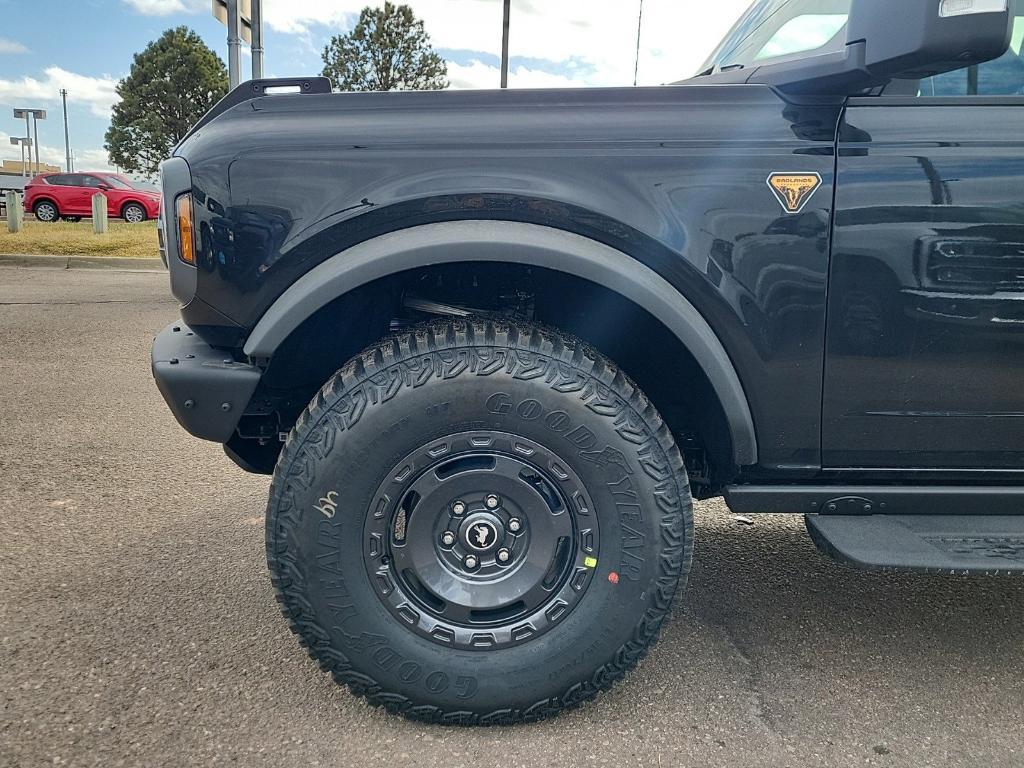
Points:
[(520, 243)]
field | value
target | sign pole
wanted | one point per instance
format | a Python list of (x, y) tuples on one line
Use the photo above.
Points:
[(256, 20), (234, 44)]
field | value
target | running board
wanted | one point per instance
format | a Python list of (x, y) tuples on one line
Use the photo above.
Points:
[(992, 545), (877, 499)]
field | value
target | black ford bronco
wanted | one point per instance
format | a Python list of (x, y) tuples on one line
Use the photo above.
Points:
[(491, 345)]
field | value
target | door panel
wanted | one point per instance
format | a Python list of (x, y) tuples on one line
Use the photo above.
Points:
[(71, 195), (92, 186), (925, 340)]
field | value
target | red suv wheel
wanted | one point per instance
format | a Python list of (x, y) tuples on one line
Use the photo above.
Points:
[(46, 210)]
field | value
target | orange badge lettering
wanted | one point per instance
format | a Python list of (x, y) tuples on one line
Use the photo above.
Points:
[(794, 190)]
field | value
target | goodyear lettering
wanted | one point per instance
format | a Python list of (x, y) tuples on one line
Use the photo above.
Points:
[(632, 559), (627, 503)]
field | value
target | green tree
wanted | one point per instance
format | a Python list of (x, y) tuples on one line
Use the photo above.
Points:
[(388, 50), (171, 84)]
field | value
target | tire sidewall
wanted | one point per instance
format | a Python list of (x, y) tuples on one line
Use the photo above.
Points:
[(638, 502)]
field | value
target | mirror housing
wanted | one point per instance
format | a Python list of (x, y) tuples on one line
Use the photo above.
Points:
[(929, 37), (104, 187), (887, 40)]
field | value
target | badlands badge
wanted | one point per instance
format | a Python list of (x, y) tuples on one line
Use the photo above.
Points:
[(794, 190)]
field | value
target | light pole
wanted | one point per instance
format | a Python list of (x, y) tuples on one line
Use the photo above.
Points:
[(24, 141), (36, 115)]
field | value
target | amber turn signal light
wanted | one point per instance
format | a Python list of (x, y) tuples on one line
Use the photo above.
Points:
[(186, 230)]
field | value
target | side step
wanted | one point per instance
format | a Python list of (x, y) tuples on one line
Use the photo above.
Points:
[(992, 545)]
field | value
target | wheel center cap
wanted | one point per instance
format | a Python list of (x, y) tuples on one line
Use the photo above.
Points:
[(480, 532)]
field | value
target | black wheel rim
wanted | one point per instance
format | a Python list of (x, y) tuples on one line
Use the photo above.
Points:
[(481, 540)]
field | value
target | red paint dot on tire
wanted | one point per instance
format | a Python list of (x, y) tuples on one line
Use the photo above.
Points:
[(613, 577)]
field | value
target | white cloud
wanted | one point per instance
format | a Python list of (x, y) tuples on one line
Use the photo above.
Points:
[(166, 7), (11, 46), (98, 93), (596, 39), (476, 74), (597, 36), (85, 159)]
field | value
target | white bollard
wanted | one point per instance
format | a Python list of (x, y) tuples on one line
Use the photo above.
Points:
[(99, 214), (15, 215)]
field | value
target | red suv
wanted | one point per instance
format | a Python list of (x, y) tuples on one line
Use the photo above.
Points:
[(54, 196)]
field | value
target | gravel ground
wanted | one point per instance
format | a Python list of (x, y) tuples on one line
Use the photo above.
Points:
[(138, 626)]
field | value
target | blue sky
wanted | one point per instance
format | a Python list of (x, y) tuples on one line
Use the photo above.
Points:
[(87, 45)]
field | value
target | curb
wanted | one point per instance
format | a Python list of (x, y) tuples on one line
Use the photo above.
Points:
[(79, 262)]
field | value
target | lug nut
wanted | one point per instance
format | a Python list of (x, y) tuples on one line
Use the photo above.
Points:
[(447, 538), (504, 555), (470, 561), (492, 501), (459, 508), (514, 525)]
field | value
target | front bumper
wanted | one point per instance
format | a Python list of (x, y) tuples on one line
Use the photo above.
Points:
[(206, 390)]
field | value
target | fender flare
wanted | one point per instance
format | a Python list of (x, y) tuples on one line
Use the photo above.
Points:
[(521, 243)]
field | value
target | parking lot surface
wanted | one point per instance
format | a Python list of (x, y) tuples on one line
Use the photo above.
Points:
[(138, 626)]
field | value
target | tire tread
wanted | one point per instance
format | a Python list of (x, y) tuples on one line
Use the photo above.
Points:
[(403, 358)]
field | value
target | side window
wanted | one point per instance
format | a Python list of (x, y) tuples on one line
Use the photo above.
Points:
[(74, 180), (1002, 77), (803, 34), (90, 181), (778, 30)]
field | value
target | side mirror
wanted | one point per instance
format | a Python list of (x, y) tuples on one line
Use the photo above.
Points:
[(103, 187), (913, 39), (890, 39)]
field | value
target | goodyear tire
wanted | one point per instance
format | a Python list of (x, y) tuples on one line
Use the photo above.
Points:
[(478, 523)]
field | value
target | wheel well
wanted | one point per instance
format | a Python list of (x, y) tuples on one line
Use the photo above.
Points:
[(623, 331), (126, 203), (38, 201)]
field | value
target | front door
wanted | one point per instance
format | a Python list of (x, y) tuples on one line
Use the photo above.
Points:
[(71, 194), (90, 186), (925, 340)]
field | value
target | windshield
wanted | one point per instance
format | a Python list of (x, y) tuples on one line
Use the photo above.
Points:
[(773, 29)]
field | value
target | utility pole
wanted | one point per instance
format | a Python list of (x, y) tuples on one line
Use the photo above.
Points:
[(256, 20), (639, 22), (504, 45), (67, 139)]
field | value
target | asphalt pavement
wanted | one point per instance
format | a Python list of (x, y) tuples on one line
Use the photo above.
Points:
[(138, 626)]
